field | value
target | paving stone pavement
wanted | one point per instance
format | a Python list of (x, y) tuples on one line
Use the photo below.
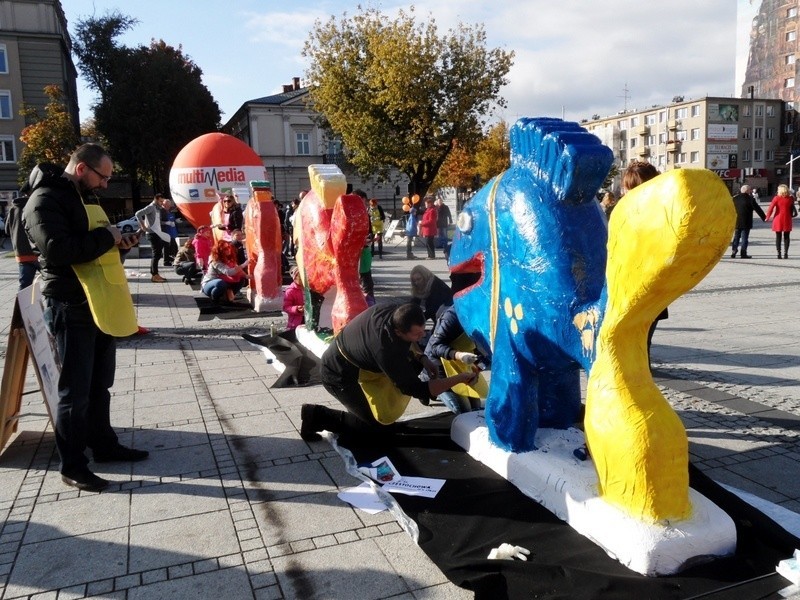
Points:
[(233, 504)]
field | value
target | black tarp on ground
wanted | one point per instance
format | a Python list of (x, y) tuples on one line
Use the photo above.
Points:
[(300, 365), (477, 510)]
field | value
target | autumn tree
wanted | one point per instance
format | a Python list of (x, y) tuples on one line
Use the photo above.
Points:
[(458, 169), (493, 153), (50, 138), (151, 99), (398, 93)]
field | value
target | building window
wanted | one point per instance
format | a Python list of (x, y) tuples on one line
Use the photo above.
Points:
[(770, 133), (696, 110), (769, 155), (651, 140), (662, 138), (757, 154), (5, 104), (789, 59), (681, 113), (746, 155), (788, 82), (623, 125), (694, 157), (660, 161), (680, 158), (758, 133), (622, 144), (3, 60), (634, 121), (759, 110), (791, 36), (650, 119), (680, 135), (662, 116), (695, 133), (791, 12), (745, 133), (748, 110), (770, 111), (7, 153), (789, 128), (634, 142), (303, 144)]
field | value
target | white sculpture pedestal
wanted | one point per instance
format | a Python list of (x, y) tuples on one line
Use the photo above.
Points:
[(553, 477)]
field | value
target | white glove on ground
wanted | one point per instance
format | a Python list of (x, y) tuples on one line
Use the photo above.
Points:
[(509, 552)]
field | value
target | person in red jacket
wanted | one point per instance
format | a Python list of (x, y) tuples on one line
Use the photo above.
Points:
[(428, 227), (781, 210)]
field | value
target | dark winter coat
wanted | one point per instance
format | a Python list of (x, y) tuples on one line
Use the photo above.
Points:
[(745, 204), (55, 220)]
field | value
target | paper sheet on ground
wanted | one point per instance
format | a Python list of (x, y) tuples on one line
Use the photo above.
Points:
[(415, 486), (363, 497)]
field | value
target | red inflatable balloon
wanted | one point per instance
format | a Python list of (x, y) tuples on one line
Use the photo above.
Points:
[(210, 164)]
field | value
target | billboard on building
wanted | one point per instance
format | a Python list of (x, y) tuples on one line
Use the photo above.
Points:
[(723, 112), (717, 161), (723, 132)]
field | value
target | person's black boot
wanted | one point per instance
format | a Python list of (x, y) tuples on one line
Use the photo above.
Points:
[(309, 427)]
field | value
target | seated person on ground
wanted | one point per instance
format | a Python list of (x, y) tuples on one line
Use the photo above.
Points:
[(224, 277)]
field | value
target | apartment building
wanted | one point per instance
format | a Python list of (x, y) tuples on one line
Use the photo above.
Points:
[(740, 139), (283, 130), (35, 52)]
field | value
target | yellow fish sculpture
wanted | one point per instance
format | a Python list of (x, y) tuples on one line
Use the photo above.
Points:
[(664, 237)]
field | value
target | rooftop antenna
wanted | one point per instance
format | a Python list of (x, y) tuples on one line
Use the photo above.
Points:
[(625, 95)]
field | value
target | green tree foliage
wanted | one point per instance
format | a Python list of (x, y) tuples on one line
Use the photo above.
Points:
[(51, 138), (151, 99), (398, 93), (458, 169)]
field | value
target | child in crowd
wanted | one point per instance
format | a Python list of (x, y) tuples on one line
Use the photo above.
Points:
[(294, 300), (203, 242)]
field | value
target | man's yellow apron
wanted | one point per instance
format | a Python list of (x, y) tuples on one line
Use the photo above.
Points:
[(103, 280)]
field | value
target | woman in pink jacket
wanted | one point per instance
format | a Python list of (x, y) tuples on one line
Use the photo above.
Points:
[(427, 227), (781, 210)]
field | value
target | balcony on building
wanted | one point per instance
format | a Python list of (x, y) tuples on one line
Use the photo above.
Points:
[(643, 130), (672, 124), (643, 151), (673, 146)]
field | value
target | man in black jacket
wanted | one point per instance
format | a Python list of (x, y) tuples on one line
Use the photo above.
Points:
[(86, 304), (745, 204), (372, 367)]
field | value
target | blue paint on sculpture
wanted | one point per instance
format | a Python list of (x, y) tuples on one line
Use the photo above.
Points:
[(537, 236)]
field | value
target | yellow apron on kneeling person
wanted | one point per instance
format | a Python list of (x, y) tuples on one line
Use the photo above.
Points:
[(385, 400), (479, 389), (106, 288)]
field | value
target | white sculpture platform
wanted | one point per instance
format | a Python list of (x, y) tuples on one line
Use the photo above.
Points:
[(552, 476), (311, 341)]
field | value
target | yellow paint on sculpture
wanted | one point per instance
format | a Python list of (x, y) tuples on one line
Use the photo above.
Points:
[(664, 237), (328, 183)]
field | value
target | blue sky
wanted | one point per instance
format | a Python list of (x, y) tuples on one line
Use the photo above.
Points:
[(574, 58)]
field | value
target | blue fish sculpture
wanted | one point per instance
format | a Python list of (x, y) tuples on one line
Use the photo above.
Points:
[(535, 239)]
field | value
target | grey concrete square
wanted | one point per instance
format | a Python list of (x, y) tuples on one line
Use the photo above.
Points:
[(357, 570), (170, 500), (181, 540), (227, 584), (176, 461), (287, 481), (70, 561), (78, 516), (301, 517)]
